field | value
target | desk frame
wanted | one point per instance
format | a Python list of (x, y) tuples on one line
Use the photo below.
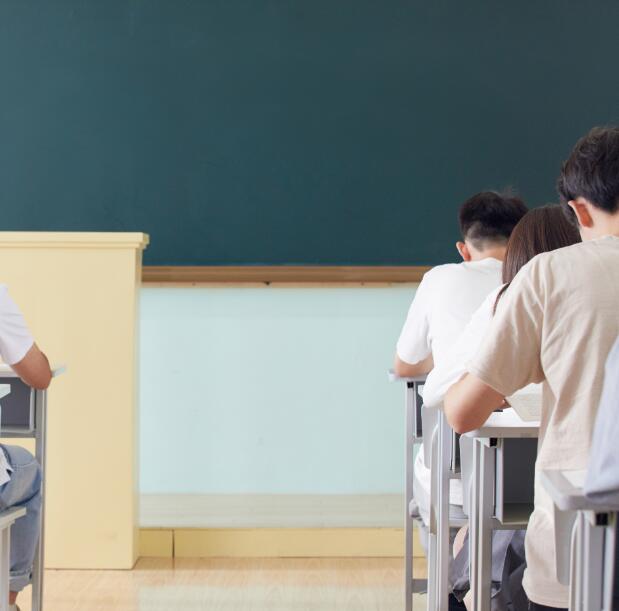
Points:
[(444, 469), (593, 543), (413, 430), (40, 436), (487, 441)]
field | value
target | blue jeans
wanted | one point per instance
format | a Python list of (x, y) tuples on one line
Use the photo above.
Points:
[(23, 489)]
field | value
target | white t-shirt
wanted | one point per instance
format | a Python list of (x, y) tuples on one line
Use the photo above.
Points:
[(556, 325), (444, 303), (15, 341), (453, 367)]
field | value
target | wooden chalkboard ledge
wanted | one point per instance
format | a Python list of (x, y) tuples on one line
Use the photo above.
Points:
[(279, 274)]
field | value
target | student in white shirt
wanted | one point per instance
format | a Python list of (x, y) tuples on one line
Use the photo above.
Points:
[(556, 326), (20, 476), (447, 297), (449, 294)]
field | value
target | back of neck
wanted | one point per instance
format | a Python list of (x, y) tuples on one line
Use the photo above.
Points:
[(497, 252)]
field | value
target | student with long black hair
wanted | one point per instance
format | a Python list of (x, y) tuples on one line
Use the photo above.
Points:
[(540, 230)]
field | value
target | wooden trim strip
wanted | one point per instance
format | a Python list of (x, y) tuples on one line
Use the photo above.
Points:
[(284, 274)]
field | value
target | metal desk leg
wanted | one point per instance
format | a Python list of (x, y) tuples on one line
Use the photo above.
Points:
[(474, 523), (40, 441), (433, 557), (592, 563), (5, 567), (575, 603), (444, 439), (410, 400), (486, 503), (610, 546)]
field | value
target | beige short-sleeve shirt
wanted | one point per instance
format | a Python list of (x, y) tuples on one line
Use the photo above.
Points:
[(556, 324)]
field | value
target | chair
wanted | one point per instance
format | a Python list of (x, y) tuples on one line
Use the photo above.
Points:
[(414, 437), (24, 416), (585, 541), (7, 519)]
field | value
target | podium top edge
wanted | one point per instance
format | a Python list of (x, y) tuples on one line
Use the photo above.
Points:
[(73, 239)]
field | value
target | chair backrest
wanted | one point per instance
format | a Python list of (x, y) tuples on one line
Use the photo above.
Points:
[(602, 482), (519, 456), (430, 420), (466, 470), (18, 413)]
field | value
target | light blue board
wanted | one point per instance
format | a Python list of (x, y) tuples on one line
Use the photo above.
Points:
[(271, 390)]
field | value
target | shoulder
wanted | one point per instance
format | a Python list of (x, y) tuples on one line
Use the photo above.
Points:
[(547, 264), (547, 260), (442, 270), (446, 272)]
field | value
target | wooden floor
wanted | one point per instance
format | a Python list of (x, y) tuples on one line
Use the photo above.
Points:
[(232, 585)]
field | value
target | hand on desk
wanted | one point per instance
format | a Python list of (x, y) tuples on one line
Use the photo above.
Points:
[(469, 403)]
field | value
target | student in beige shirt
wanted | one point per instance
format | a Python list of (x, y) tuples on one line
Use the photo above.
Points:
[(556, 326)]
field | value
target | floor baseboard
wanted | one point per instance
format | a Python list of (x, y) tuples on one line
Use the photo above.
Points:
[(274, 543), (278, 526)]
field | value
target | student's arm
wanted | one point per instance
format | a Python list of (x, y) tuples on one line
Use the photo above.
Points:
[(408, 370), (509, 357), (17, 347), (414, 351), (469, 403), (34, 369)]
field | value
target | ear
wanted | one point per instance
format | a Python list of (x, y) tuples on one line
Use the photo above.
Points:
[(464, 251), (580, 206)]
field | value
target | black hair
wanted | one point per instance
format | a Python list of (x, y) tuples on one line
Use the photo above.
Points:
[(592, 171), (489, 217), (540, 230)]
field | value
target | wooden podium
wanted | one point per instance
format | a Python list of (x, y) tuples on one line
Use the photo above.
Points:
[(79, 293)]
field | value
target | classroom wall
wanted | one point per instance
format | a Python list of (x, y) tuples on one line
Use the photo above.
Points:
[(271, 390)]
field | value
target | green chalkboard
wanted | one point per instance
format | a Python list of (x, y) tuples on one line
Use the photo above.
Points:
[(291, 131)]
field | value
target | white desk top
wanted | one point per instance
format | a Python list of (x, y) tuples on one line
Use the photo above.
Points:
[(565, 489), (5, 389), (7, 372), (505, 424), (395, 378)]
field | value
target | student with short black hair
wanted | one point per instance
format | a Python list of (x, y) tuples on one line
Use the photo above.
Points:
[(447, 297), (556, 326), (449, 294), (489, 218)]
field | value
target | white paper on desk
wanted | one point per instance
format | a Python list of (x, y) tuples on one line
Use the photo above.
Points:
[(527, 402)]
